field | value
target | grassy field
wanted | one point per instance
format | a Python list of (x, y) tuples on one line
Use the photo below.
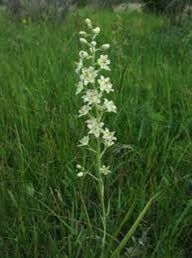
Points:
[(45, 210)]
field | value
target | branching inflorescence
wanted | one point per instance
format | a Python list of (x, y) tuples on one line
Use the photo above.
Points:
[(95, 87)]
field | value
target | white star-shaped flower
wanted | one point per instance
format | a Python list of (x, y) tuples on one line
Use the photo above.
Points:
[(92, 97), (94, 127), (104, 62), (84, 141), (88, 75), (105, 84), (105, 170), (109, 106), (108, 137), (84, 110)]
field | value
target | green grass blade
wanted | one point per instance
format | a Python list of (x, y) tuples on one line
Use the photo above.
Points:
[(115, 234), (132, 230)]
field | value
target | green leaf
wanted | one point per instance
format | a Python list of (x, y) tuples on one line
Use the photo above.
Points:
[(132, 229)]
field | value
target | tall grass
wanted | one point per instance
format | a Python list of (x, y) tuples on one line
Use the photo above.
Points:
[(44, 210)]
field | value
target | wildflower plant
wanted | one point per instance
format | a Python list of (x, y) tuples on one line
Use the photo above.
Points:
[(95, 88)]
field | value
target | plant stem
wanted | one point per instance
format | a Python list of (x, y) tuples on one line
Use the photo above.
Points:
[(101, 190), (100, 180), (102, 199)]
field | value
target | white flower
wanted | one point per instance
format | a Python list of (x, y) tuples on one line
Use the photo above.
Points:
[(105, 170), (108, 137), (82, 40), (105, 47), (95, 127), (96, 30), (94, 43), (92, 97), (79, 66), (83, 33), (79, 88), (83, 54), (84, 141), (104, 62), (78, 166), (109, 106), (88, 75), (94, 87), (84, 110), (105, 84), (89, 23), (80, 174)]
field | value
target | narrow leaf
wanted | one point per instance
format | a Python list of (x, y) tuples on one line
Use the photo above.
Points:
[(132, 230)]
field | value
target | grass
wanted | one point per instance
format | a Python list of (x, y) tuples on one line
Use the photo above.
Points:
[(45, 211)]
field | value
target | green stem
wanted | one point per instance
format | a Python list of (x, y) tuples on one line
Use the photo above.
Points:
[(101, 190), (102, 199), (100, 181)]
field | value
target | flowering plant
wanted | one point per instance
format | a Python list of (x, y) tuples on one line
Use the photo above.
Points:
[(95, 88)]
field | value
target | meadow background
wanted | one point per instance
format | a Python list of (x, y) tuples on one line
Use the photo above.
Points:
[(45, 210)]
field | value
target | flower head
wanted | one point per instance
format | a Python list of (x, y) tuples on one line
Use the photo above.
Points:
[(109, 106), (84, 110), (105, 84), (84, 141), (92, 97), (88, 75), (104, 62), (108, 137), (105, 170), (94, 127)]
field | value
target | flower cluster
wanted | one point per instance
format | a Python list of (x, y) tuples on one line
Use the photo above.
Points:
[(95, 87)]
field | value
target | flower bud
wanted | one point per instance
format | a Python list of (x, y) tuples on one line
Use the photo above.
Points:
[(83, 54), (89, 23), (83, 33), (80, 174), (105, 47), (94, 43), (82, 40), (78, 166), (96, 30)]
